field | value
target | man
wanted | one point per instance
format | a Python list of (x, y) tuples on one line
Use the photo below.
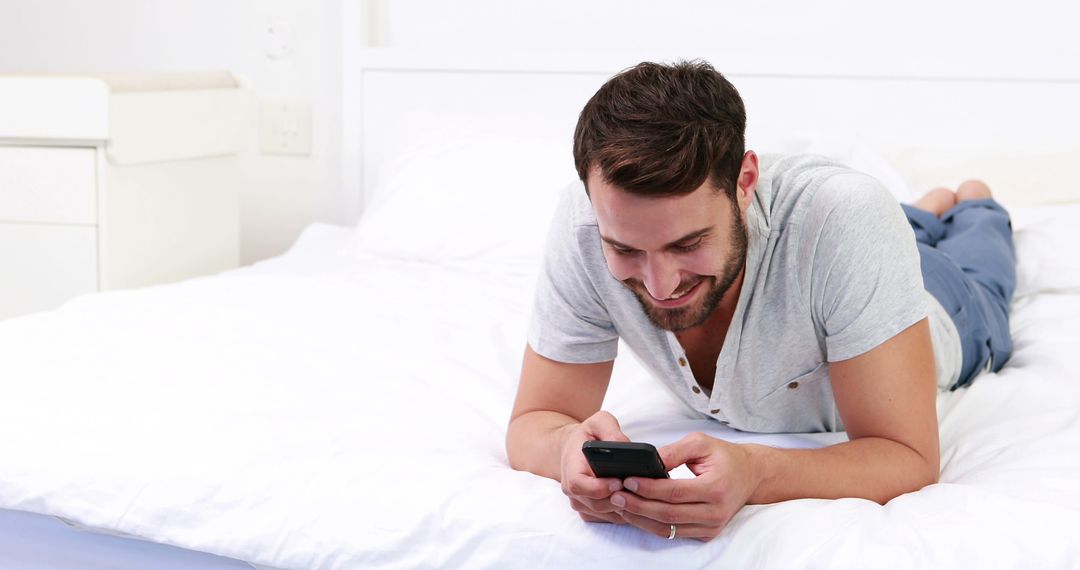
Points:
[(780, 295)]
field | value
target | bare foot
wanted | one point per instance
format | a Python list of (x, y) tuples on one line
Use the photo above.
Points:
[(973, 190), (936, 201)]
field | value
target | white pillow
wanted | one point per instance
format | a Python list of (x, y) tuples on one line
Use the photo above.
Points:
[(467, 196), (1047, 260), (1015, 178), (853, 153)]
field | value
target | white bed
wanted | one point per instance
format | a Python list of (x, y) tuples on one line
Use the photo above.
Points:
[(344, 405)]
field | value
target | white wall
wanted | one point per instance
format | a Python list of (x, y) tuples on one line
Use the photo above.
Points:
[(829, 28), (282, 194)]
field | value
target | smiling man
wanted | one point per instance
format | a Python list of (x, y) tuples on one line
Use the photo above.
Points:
[(781, 294)]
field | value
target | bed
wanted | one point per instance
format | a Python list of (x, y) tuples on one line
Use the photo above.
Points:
[(344, 405)]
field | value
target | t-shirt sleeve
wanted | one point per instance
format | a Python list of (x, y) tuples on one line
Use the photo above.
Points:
[(569, 322), (866, 283)]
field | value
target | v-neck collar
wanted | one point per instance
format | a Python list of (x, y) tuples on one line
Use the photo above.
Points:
[(757, 230)]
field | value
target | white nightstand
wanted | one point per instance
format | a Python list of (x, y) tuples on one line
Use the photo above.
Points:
[(116, 181)]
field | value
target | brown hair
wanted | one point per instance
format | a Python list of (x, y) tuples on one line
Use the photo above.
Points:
[(663, 130)]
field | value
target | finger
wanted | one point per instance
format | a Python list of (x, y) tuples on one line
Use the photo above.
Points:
[(663, 530), (590, 515), (607, 519), (581, 483), (596, 505), (672, 490), (692, 447), (603, 426), (660, 511)]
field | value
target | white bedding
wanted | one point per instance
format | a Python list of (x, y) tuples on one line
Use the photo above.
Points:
[(335, 409), (36, 542)]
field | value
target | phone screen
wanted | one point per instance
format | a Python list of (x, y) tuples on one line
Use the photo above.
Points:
[(624, 459)]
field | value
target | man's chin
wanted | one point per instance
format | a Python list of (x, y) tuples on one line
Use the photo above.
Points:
[(666, 321), (673, 320)]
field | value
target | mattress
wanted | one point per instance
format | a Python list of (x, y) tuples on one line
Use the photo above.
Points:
[(334, 408), (36, 542)]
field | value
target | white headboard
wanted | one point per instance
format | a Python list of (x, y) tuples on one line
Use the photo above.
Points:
[(925, 115)]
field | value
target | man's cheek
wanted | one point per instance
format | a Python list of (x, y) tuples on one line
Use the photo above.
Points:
[(701, 263), (620, 269)]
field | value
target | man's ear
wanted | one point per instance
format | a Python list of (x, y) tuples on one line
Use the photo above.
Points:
[(747, 181)]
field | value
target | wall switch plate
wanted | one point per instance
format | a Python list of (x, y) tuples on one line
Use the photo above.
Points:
[(285, 127), (278, 40)]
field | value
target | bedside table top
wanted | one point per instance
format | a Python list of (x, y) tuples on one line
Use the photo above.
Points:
[(137, 118)]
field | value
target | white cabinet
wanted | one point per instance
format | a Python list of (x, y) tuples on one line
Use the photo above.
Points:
[(44, 265), (115, 182), (48, 184)]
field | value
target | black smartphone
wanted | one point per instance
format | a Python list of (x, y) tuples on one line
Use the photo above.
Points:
[(621, 460)]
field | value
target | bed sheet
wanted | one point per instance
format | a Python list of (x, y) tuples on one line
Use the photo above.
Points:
[(331, 410), (37, 542)]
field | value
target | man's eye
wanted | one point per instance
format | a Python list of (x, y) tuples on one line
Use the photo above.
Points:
[(623, 251), (688, 247)]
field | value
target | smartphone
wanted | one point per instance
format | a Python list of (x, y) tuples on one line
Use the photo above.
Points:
[(621, 460)]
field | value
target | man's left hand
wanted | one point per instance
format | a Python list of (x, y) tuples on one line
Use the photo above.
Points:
[(700, 507)]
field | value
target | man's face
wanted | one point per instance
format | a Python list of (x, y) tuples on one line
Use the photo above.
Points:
[(679, 255)]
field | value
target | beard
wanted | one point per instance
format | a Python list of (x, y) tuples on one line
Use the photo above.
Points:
[(695, 314)]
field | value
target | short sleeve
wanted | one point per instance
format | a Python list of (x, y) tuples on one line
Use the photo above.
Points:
[(569, 322), (866, 283)]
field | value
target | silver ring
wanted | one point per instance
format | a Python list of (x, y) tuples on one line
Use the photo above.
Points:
[(671, 534)]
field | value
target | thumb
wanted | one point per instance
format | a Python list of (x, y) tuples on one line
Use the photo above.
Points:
[(602, 425), (688, 449)]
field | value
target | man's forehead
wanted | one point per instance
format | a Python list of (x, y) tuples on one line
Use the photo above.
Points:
[(611, 201)]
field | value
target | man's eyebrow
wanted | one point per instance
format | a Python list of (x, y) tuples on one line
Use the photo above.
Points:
[(675, 243)]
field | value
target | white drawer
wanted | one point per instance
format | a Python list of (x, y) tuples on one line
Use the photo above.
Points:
[(42, 266), (43, 184)]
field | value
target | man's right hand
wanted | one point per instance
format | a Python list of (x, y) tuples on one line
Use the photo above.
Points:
[(590, 496)]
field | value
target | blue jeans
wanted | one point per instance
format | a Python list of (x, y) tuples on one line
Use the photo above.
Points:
[(969, 266)]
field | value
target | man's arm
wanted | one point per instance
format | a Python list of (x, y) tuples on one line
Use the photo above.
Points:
[(887, 399), (556, 411), (552, 397)]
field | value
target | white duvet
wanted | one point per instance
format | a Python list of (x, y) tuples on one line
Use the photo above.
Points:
[(331, 410)]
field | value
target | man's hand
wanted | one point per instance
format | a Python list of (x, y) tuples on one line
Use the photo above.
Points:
[(590, 496), (700, 507)]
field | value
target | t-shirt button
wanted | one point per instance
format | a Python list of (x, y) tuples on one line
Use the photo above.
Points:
[(696, 390), (682, 361), (714, 412), (793, 385), (725, 422)]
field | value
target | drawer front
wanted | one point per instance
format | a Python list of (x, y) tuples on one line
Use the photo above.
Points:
[(42, 266), (53, 185)]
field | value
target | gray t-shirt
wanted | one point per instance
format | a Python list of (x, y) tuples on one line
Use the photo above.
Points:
[(832, 271)]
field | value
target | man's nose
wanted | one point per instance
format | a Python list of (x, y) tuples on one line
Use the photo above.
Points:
[(661, 277)]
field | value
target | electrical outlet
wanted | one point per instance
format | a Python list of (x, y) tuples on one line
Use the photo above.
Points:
[(285, 127)]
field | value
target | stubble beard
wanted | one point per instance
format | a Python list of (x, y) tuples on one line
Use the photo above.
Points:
[(682, 318)]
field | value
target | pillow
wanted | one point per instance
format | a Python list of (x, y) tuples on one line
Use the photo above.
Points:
[(1046, 262), (853, 153), (1015, 178), (464, 195), (462, 192)]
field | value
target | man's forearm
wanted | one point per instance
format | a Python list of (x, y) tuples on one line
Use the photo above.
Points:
[(871, 468), (534, 442)]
